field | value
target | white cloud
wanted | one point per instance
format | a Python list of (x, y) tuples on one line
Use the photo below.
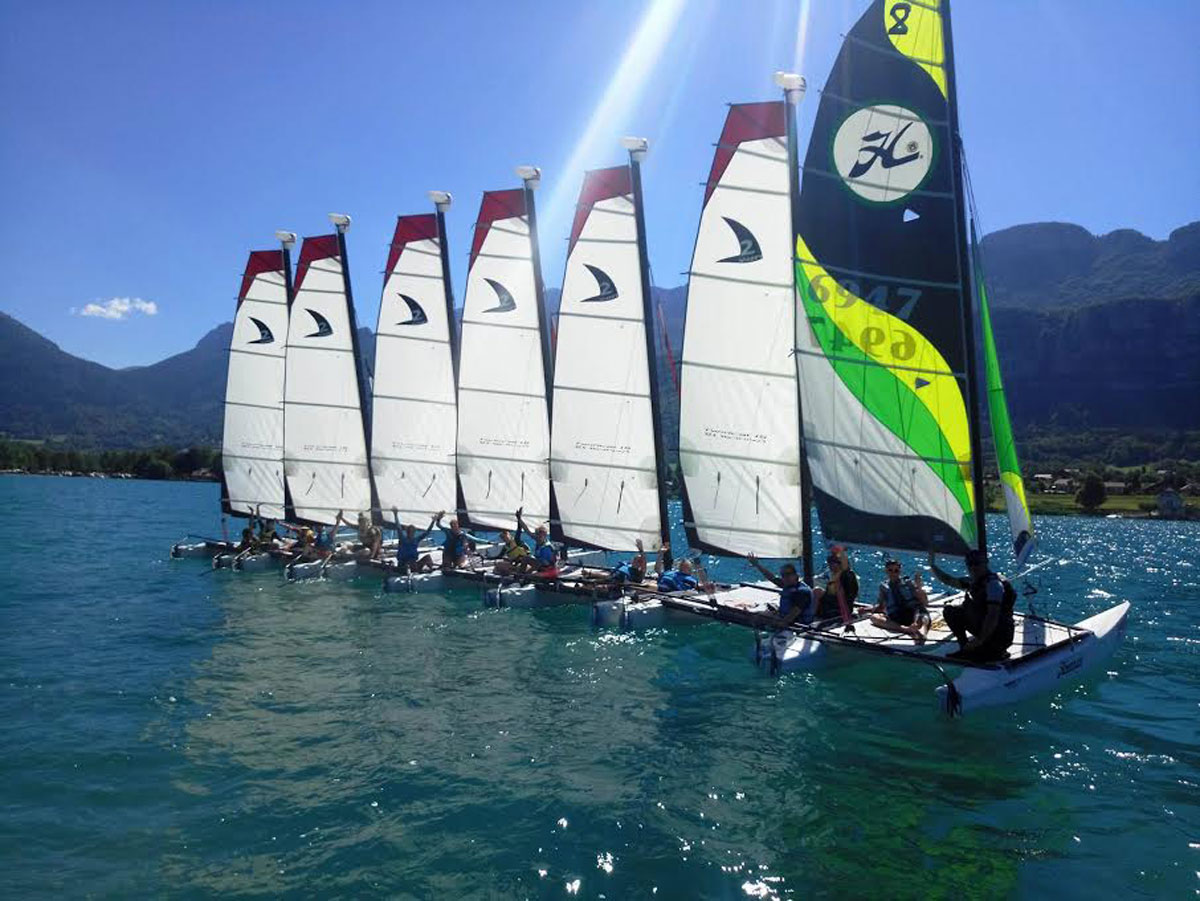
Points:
[(118, 308)]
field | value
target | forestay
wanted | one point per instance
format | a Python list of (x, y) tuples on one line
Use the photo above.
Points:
[(882, 340), (503, 420), (325, 449), (739, 443), (252, 442), (413, 415), (603, 460)]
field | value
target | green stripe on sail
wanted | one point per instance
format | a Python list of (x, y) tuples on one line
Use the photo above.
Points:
[(889, 400)]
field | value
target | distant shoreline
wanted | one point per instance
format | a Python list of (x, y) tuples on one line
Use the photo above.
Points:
[(122, 476)]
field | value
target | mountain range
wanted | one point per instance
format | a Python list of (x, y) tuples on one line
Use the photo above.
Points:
[(1093, 331)]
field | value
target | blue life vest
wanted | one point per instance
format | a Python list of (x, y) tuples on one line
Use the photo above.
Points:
[(900, 597), (454, 547), (674, 580), (408, 549), (545, 555), (793, 596)]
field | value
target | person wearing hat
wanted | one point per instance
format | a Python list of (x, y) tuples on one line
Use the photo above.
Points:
[(985, 613)]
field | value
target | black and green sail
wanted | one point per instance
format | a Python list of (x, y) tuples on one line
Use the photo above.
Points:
[(883, 287)]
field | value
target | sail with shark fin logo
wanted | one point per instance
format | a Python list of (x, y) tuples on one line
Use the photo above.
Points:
[(604, 461), (414, 414), (739, 448), (325, 441), (503, 413), (252, 441), (884, 339), (1019, 519)]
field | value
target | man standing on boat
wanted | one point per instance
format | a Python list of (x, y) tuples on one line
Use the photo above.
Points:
[(986, 612)]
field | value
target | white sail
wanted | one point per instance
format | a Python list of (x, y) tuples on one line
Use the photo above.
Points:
[(252, 443), (503, 420), (603, 461), (739, 447), (325, 452), (413, 413)]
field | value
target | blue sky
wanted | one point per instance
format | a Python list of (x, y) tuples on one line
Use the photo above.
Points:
[(146, 147)]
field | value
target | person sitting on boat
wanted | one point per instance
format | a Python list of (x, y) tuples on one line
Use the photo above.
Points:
[(543, 562), (986, 613), (796, 602), (247, 542), (683, 577), (457, 545), (370, 536), (901, 603), (323, 542), (632, 571), (841, 589), (267, 538), (512, 554), (408, 546)]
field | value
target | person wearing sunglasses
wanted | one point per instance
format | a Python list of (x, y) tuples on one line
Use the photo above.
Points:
[(901, 603)]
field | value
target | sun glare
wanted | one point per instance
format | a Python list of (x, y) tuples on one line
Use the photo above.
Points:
[(625, 87)]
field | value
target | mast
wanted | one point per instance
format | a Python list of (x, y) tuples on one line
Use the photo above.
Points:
[(342, 223), (638, 148), (287, 240), (793, 91), (967, 290), (531, 176), (442, 200)]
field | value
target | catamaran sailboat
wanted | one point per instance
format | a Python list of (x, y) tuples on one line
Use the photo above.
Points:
[(885, 354), (252, 483)]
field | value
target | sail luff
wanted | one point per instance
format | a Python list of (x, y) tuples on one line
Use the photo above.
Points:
[(1015, 503), (360, 366), (791, 97), (967, 293), (636, 154)]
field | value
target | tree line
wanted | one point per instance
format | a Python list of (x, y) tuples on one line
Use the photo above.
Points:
[(162, 462)]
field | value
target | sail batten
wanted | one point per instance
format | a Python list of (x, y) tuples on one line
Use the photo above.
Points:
[(603, 445), (739, 446), (883, 337), (252, 438)]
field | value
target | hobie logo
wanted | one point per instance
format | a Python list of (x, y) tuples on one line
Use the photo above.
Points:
[(749, 251), (604, 285), (883, 153), (506, 300), (324, 329), (416, 312), (264, 332)]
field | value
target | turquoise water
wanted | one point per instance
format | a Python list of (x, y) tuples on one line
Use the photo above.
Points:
[(168, 730)]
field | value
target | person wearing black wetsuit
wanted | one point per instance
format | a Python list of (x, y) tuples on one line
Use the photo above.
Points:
[(986, 613)]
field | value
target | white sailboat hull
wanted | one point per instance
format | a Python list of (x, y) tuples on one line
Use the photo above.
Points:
[(198, 549), (501, 592), (256, 563), (1011, 682)]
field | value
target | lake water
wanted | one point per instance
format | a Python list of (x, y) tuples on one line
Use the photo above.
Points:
[(168, 730)]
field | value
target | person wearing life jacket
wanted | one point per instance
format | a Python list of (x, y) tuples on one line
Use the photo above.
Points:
[(986, 613), (408, 547), (901, 603), (543, 562), (796, 603), (370, 536), (457, 544), (683, 577), (841, 588), (513, 553)]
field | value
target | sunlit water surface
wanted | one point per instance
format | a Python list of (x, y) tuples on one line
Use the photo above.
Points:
[(168, 730)]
